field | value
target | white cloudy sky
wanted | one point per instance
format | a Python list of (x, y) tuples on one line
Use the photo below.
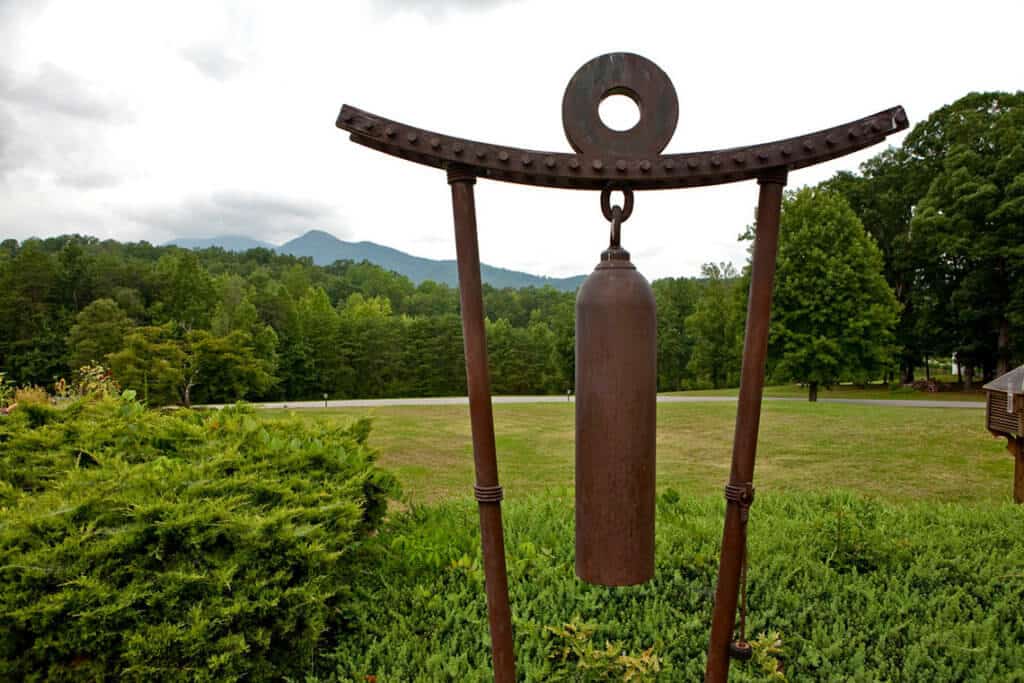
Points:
[(152, 120)]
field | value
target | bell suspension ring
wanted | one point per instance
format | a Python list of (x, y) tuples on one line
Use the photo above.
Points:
[(616, 215)]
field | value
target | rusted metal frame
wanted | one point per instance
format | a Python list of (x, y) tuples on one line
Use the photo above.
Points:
[(606, 159), (487, 491), (620, 73), (595, 172), (740, 490)]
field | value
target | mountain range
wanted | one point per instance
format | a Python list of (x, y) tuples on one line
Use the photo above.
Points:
[(325, 249)]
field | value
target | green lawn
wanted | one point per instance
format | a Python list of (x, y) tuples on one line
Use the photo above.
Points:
[(871, 391), (894, 453)]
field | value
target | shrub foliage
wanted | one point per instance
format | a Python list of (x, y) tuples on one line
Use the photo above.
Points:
[(177, 546), (840, 588), (181, 545)]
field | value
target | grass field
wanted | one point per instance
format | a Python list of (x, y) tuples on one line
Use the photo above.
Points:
[(893, 453), (871, 391)]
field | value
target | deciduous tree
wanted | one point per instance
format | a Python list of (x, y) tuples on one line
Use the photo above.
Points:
[(675, 299), (99, 330), (716, 326), (970, 226), (834, 314), (151, 362)]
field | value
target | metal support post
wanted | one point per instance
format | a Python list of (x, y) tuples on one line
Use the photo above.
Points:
[(488, 492), (740, 491), (1015, 444)]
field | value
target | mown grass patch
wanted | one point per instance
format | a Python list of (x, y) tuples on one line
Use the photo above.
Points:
[(895, 453), (850, 391)]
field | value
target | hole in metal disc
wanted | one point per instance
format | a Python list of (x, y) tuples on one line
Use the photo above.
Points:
[(619, 112)]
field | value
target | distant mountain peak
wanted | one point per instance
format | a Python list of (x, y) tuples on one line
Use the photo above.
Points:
[(225, 242), (324, 248), (320, 234)]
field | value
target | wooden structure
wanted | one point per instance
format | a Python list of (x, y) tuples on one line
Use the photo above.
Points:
[(1004, 416)]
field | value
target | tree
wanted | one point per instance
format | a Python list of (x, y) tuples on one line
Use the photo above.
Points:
[(509, 364), (75, 277), (834, 314), (884, 196), (542, 367), (369, 340), (188, 294), (716, 326), (236, 314), (324, 363), (675, 299), (99, 330), (279, 312), (350, 329), (970, 226), (224, 368), (33, 324), (151, 362), (433, 299), (432, 363), (957, 296), (371, 281)]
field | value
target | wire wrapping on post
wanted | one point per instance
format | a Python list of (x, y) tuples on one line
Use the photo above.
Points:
[(740, 649), (488, 494), (743, 599), (742, 495)]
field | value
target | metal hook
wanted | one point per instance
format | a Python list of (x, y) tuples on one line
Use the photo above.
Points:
[(617, 215), (606, 202), (616, 231)]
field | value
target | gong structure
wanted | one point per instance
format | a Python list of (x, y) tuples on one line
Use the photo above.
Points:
[(616, 346)]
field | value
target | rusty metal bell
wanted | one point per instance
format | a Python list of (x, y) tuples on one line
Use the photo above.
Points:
[(616, 389)]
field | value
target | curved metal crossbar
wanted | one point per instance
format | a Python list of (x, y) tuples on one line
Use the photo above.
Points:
[(596, 171)]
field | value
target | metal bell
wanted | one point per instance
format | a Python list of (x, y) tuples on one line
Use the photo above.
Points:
[(616, 389)]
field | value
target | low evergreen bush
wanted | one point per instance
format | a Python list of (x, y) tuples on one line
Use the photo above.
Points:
[(841, 588), (139, 545)]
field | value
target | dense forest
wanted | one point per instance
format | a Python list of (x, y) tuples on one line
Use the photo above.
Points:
[(918, 256), (946, 208), (211, 325)]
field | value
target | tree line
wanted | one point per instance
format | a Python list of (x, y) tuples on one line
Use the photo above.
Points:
[(946, 209), (919, 255), (182, 326)]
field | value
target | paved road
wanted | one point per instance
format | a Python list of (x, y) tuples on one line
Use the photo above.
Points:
[(462, 400)]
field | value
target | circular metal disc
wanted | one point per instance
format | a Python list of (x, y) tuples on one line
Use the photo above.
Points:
[(620, 73)]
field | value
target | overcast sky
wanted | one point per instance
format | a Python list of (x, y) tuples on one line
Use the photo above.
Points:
[(153, 120)]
